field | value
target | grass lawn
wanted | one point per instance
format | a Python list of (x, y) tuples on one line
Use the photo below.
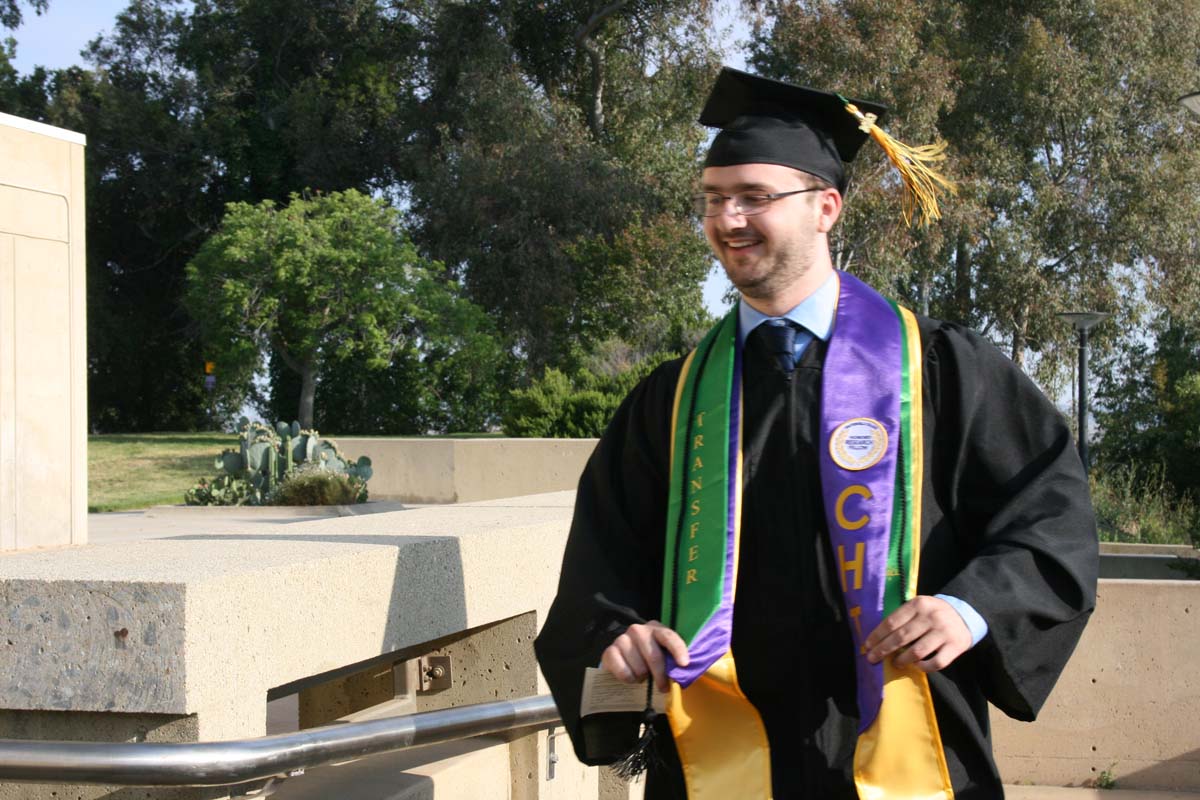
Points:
[(138, 470)]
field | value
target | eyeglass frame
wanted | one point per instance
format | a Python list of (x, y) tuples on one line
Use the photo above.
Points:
[(769, 197)]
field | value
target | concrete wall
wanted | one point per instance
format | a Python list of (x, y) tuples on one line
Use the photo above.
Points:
[(43, 346), (1128, 702), (466, 470), (183, 638)]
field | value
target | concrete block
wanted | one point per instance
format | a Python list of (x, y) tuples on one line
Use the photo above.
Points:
[(466, 470), (43, 346), (1137, 548), (1128, 701), (214, 621), (1143, 566), (92, 646), (464, 770), (614, 787)]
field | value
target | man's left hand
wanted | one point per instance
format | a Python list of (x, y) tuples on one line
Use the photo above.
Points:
[(925, 631)]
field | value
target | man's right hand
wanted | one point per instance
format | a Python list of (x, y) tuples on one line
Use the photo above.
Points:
[(638, 652)]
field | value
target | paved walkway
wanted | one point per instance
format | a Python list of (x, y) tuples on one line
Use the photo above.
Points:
[(161, 522), (1055, 793)]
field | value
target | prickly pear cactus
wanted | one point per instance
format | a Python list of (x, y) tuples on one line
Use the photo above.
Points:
[(268, 455)]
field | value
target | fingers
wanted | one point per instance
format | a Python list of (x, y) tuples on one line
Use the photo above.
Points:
[(639, 652), (926, 632), (673, 643)]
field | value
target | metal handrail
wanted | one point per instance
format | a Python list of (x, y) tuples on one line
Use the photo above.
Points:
[(240, 761)]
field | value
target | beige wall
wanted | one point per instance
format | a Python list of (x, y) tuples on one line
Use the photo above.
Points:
[(1128, 701), (467, 470), (43, 383)]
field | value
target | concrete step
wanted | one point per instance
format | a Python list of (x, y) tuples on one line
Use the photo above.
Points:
[(474, 769), (1074, 793)]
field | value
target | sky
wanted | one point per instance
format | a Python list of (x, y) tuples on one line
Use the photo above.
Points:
[(55, 38)]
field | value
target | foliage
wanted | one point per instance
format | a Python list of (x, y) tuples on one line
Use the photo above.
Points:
[(1144, 508), (555, 407), (223, 490), (129, 471), (1069, 149), (1148, 408), (453, 379), (578, 406), (513, 132), (310, 485), (555, 131), (544, 151), (323, 280), (1106, 779), (191, 106), (10, 11)]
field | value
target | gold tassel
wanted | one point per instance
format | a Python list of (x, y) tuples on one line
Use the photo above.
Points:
[(921, 181)]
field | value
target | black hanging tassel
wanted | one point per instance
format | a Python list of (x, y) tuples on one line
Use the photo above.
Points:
[(638, 760)]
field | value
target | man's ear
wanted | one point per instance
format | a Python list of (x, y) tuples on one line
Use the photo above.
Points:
[(830, 208)]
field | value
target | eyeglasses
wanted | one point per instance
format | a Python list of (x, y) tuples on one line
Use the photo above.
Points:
[(711, 204)]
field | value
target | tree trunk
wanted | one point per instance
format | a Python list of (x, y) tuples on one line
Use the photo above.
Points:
[(308, 391), (1020, 329), (596, 57), (962, 281)]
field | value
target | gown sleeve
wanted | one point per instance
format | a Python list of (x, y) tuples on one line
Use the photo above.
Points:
[(1017, 514), (613, 557)]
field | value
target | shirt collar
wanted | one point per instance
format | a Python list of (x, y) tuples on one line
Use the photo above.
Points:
[(815, 312)]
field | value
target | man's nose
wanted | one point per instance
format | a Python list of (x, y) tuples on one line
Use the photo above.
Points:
[(730, 218)]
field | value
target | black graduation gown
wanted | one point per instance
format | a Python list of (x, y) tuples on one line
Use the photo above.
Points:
[(1006, 526)]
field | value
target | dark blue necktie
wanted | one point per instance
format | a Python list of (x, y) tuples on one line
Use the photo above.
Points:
[(780, 338)]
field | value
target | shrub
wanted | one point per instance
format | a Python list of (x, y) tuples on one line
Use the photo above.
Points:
[(576, 407), (1133, 507), (313, 486), (554, 407)]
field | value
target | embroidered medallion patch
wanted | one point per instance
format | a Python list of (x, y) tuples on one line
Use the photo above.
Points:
[(858, 443)]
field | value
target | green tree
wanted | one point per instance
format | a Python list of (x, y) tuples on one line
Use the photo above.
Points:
[(190, 107), (523, 139), (1148, 409), (10, 11), (551, 133), (319, 281), (1076, 187)]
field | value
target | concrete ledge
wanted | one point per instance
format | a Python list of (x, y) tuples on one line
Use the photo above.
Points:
[(252, 512), (1138, 549), (1057, 793), (1128, 702), (466, 470), (205, 624), (1144, 566)]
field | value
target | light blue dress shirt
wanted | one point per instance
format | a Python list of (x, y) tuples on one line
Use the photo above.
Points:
[(815, 316)]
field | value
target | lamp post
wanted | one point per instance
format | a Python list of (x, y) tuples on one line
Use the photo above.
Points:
[(1083, 322)]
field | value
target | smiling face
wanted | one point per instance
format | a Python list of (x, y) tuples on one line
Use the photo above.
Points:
[(778, 257)]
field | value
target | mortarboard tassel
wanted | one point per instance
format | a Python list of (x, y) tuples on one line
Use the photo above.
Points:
[(921, 181), (637, 760)]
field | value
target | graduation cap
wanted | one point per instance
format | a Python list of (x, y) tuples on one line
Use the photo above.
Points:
[(764, 121)]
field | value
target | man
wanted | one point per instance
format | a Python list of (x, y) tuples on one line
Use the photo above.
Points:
[(835, 531)]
